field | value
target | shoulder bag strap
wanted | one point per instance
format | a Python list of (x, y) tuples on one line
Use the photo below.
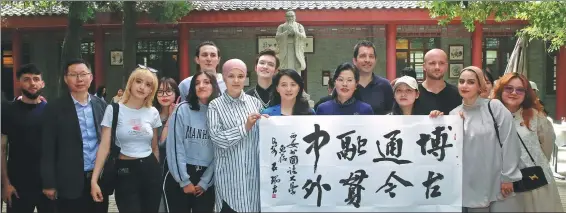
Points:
[(115, 110), (494, 123), (532, 159)]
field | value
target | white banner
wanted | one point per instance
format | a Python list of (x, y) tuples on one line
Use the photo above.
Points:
[(361, 163)]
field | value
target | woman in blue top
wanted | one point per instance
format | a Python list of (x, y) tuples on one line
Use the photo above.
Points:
[(190, 151), (287, 98), (346, 95)]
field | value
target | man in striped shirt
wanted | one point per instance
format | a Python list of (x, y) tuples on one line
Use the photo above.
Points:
[(231, 123)]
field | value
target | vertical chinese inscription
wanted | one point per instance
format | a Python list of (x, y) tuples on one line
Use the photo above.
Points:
[(293, 160), (274, 178)]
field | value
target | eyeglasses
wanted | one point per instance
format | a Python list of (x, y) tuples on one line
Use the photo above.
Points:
[(162, 93), (147, 68), (81, 75), (511, 89), (345, 81)]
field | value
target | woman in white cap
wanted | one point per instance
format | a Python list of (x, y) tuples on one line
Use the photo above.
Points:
[(231, 123), (406, 94)]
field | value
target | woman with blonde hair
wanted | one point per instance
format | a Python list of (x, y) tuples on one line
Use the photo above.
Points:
[(536, 136), (138, 187), (491, 152)]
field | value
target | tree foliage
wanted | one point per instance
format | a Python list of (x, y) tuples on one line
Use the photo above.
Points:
[(546, 19)]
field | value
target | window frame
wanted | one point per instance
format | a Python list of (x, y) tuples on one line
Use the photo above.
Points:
[(409, 51)]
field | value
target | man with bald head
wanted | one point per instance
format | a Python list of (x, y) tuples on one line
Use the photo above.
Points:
[(435, 93)]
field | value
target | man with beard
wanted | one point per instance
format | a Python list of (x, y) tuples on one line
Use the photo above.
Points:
[(21, 130), (435, 93), (374, 90), (71, 136)]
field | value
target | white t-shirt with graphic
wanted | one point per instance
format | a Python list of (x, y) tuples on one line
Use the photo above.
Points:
[(134, 131)]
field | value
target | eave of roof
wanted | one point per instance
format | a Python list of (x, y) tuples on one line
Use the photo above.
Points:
[(17, 8)]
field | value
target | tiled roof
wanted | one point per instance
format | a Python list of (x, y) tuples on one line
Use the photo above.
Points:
[(296, 5), (19, 10)]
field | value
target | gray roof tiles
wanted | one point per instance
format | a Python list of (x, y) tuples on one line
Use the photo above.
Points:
[(18, 10)]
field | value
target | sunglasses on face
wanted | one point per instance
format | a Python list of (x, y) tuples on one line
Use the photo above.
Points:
[(511, 89), (147, 68)]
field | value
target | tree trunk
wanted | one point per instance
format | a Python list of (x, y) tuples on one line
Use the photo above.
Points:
[(72, 42), (129, 39)]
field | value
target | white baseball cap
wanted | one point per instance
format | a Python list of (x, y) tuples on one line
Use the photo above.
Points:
[(534, 85), (410, 81)]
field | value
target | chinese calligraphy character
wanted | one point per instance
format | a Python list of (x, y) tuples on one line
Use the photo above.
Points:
[(393, 148), (349, 150), (274, 166), (313, 140), (355, 188), (435, 143), (393, 186), (273, 146), (274, 181), (310, 185), (430, 180), (292, 187), (293, 144), (292, 170), (282, 154)]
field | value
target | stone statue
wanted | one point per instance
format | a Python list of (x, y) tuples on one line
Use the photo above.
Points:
[(291, 39)]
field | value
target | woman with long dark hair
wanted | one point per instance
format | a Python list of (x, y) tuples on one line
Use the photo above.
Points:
[(346, 97), (288, 98), (190, 152), (166, 97)]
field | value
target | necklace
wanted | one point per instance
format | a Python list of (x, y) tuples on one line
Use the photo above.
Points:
[(259, 97)]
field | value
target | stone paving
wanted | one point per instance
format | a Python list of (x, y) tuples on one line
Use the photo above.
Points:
[(561, 184)]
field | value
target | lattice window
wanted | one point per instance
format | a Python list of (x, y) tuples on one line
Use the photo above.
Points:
[(159, 54), (411, 51)]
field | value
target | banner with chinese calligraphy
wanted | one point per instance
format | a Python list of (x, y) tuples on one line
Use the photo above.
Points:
[(361, 163)]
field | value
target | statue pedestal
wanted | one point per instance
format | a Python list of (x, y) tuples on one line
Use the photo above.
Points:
[(308, 98)]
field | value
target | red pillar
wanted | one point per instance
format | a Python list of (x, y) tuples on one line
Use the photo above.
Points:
[(17, 59), (477, 49), (183, 57), (99, 67), (561, 83), (390, 55)]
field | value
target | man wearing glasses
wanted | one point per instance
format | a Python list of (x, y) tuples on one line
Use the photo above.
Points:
[(71, 135)]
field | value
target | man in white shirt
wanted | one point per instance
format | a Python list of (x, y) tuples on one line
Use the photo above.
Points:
[(207, 57)]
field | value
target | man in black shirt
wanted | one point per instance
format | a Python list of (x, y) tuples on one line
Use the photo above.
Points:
[(435, 93), (266, 66), (21, 130)]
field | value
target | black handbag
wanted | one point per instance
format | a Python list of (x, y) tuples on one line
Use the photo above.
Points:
[(533, 177), (108, 175)]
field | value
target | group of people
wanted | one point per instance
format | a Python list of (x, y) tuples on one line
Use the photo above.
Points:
[(193, 146)]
